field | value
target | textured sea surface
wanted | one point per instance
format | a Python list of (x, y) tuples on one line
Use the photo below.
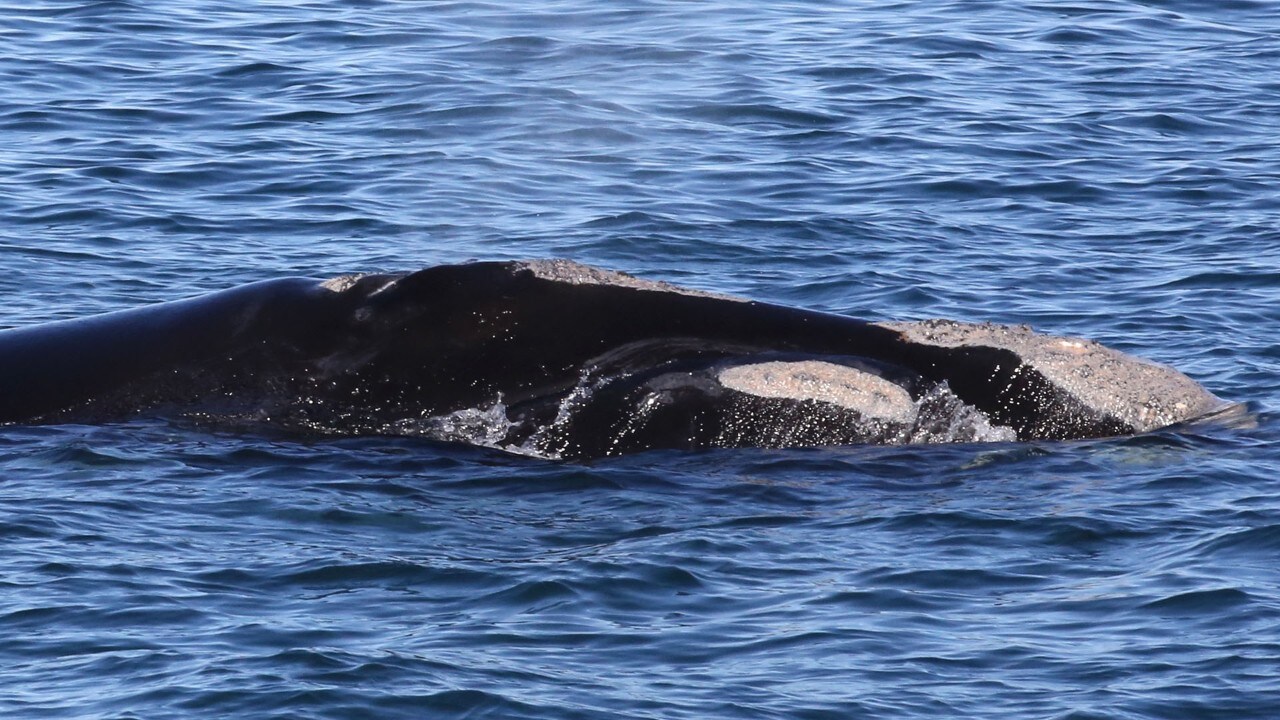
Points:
[(1101, 168)]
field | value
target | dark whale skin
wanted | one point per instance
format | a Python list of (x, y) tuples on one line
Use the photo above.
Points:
[(357, 353)]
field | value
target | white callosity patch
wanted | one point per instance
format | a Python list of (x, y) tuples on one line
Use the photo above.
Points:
[(880, 407), (1141, 393), (869, 394), (342, 283), (574, 273)]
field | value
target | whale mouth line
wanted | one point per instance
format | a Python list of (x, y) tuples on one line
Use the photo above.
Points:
[(557, 359)]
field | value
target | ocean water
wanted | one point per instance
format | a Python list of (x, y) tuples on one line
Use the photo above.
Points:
[(1101, 168)]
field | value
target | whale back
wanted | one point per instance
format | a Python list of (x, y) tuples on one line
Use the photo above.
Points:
[(565, 360)]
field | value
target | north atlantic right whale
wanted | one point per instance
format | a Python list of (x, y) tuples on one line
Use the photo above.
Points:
[(558, 359)]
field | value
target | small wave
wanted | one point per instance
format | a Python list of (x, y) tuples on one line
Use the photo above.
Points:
[(1262, 543), (382, 573), (530, 596), (1200, 602), (250, 69)]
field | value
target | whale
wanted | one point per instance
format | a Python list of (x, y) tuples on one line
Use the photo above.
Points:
[(562, 360)]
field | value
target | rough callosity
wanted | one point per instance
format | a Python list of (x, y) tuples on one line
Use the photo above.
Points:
[(824, 382), (574, 273), (1141, 393), (341, 283)]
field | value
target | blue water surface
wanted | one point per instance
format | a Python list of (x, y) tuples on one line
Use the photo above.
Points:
[(1102, 168)]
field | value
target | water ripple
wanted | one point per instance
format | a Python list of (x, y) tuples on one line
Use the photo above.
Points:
[(1100, 169)]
